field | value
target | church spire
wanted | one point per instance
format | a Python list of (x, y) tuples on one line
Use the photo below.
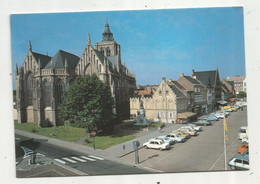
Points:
[(107, 34), (89, 40), (30, 46)]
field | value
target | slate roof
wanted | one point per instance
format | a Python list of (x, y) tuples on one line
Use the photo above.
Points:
[(206, 77), (231, 83), (177, 91), (99, 55), (58, 61), (44, 59), (178, 85), (193, 81)]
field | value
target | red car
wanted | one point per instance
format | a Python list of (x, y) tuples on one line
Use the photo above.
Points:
[(242, 149)]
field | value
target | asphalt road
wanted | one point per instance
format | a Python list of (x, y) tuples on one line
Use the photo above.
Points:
[(204, 152), (88, 164)]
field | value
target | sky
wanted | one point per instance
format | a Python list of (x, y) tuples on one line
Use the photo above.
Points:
[(154, 43)]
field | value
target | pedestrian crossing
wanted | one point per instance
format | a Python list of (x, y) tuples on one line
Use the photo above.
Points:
[(77, 159)]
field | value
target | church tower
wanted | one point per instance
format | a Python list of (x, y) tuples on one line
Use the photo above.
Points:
[(108, 47)]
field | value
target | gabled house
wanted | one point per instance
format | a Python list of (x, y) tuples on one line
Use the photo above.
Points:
[(212, 82), (228, 89), (166, 104), (200, 95)]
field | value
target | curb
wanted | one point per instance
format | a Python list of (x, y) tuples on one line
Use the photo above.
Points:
[(66, 146)]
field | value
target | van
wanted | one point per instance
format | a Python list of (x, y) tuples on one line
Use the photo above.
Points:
[(243, 132)]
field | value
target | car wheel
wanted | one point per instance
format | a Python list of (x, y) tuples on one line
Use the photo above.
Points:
[(146, 147), (233, 167), (160, 149)]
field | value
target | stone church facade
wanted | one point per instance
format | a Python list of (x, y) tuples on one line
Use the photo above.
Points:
[(42, 79)]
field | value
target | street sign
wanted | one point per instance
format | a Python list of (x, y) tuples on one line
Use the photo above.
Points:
[(93, 133)]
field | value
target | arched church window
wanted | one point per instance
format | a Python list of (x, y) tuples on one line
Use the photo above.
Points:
[(58, 90), (29, 88), (47, 93), (99, 67), (108, 51)]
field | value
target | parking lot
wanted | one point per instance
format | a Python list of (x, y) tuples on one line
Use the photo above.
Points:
[(204, 152)]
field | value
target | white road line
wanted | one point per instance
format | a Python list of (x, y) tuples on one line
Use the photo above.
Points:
[(222, 155), (96, 157), (69, 160), (87, 158), (58, 160), (78, 159)]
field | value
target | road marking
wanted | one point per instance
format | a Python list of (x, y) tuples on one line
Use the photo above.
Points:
[(78, 159), (87, 158), (70, 160), (58, 160), (96, 157), (222, 155)]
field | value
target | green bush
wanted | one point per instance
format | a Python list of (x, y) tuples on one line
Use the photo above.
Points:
[(45, 123)]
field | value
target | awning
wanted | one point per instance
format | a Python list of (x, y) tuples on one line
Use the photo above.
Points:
[(233, 99), (222, 102), (185, 115)]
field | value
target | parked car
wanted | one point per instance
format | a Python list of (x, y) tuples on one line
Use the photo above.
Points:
[(226, 113), (243, 148), (211, 118), (203, 122), (226, 107), (228, 110), (239, 162), (195, 127), (245, 140), (166, 139), (177, 137), (233, 108), (182, 133), (156, 144), (188, 130), (219, 115), (243, 132)]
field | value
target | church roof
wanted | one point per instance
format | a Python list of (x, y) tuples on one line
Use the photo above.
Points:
[(206, 77), (58, 61), (44, 59)]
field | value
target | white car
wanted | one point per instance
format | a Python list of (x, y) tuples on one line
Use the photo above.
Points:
[(156, 144), (245, 140), (188, 130), (239, 162), (177, 137), (195, 127), (166, 139)]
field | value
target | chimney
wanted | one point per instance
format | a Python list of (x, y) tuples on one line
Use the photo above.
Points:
[(164, 79), (181, 74)]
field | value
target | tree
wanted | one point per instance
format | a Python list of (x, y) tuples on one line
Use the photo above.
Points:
[(87, 104), (241, 94)]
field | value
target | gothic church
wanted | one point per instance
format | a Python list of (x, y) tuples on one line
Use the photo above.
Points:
[(42, 79)]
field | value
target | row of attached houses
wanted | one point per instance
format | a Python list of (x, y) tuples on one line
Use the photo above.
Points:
[(181, 100)]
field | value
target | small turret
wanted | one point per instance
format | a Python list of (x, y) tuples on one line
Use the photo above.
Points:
[(89, 40), (30, 46), (16, 70)]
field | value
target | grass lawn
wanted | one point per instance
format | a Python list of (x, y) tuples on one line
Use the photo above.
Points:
[(104, 142), (66, 133), (72, 134)]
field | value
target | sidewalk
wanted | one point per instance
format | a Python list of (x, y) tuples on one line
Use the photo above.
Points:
[(114, 153)]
